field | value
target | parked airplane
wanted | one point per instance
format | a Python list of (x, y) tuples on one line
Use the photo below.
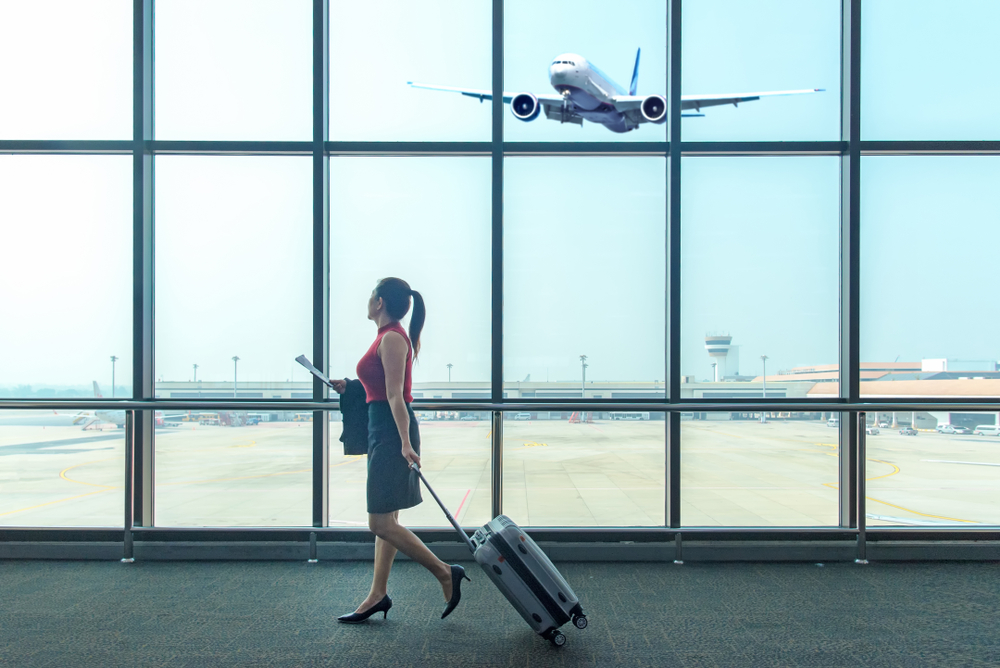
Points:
[(587, 93), (117, 418), (90, 418)]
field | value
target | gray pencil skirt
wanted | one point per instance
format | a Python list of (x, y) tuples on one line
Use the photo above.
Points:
[(391, 484)]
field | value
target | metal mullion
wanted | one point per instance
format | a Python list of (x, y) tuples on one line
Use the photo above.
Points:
[(528, 148), (129, 551), (850, 257), (232, 147), (496, 352), (143, 229), (673, 301), (321, 259), (45, 146), (761, 148), (930, 147), (650, 405), (402, 148)]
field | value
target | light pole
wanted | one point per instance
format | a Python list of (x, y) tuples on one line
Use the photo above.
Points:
[(235, 361), (763, 359), (195, 372), (449, 365), (113, 360), (714, 377), (583, 366)]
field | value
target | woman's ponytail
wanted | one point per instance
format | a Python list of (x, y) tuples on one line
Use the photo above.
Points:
[(397, 293), (416, 321)]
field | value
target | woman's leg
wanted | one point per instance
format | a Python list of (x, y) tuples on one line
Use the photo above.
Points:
[(387, 527), (385, 553)]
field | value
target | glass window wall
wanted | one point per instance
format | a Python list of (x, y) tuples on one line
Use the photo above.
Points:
[(584, 277), (455, 457), (928, 74), (426, 221), (394, 68), (930, 227), (62, 469), (66, 272), (580, 230), (932, 469), (584, 468), (568, 67), (753, 469), (760, 269), (762, 71), (234, 70), (218, 468), (233, 276), (67, 70)]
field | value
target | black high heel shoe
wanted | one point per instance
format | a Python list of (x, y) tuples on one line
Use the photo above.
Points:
[(358, 617), (457, 573)]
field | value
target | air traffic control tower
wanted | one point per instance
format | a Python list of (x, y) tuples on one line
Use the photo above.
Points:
[(718, 346)]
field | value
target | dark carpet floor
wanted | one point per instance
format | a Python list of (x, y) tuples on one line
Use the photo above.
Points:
[(282, 614)]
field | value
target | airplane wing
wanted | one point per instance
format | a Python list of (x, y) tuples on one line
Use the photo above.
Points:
[(551, 104), (483, 94), (470, 92), (630, 104), (698, 101)]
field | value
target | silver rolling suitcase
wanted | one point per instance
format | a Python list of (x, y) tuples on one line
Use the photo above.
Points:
[(523, 573)]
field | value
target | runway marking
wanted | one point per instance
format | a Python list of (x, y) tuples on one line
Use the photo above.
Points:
[(49, 503), (937, 517), (246, 445), (903, 508), (948, 461), (532, 444), (62, 474), (350, 461), (464, 498), (894, 471)]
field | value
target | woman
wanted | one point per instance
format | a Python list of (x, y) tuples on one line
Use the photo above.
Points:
[(393, 444)]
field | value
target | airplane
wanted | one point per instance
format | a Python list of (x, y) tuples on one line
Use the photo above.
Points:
[(90, 418), (117, 418), (588, 94)]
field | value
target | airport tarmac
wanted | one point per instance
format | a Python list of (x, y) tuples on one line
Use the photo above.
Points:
[(607, 473)]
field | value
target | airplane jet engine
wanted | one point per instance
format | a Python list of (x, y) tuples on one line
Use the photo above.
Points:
[(654, 109), (525, 107)]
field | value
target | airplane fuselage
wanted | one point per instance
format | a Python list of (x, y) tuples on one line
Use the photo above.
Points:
[(588, 91)]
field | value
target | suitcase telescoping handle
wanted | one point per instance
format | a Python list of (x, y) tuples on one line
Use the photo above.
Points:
[(465, 537)]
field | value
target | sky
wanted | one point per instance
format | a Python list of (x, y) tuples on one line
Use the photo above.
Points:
[(584, 267)]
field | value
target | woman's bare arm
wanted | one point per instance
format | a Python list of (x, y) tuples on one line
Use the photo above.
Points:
[(392, 351)]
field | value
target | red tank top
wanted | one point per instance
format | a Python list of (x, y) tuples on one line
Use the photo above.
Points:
[(371, 373)]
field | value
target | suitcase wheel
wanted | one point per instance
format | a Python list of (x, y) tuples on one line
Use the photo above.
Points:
[(580, 621), (557, 639)]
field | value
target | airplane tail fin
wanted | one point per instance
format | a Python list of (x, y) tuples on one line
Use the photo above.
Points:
[(97, 391), (635, 74)]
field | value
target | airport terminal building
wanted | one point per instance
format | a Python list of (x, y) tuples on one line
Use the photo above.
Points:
[(725, 300)]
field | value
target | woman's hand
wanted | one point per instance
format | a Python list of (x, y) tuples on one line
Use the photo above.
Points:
[(410, 454), (339, 384)]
